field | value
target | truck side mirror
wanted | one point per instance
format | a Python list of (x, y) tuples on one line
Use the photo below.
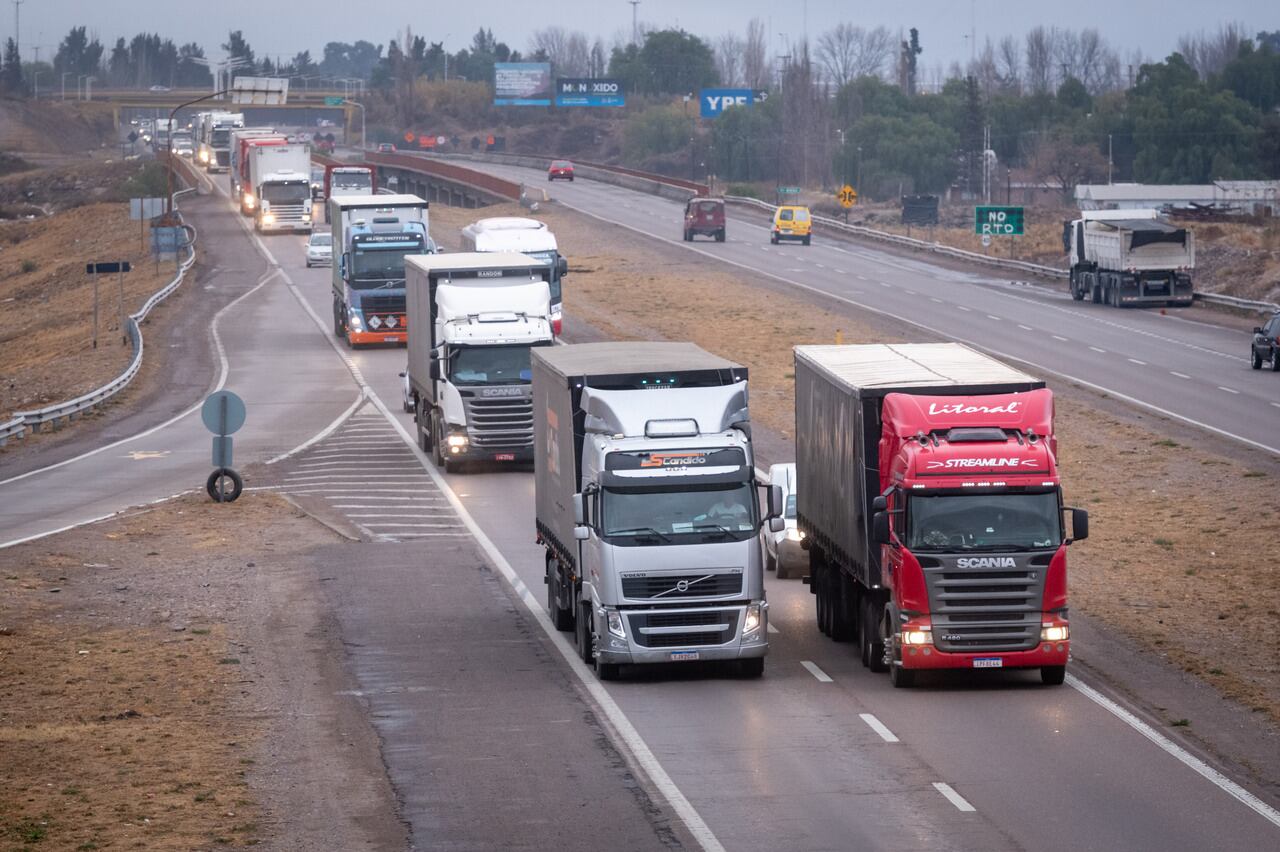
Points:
[(579, 509), (880, 527), (434, 370), (777, 525), (880, 503), (1079, 525), (562, 265), (581, 532), (775, 503)]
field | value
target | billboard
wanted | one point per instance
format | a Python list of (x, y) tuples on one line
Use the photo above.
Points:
[(589, 91), (522, 84), (712, 102)]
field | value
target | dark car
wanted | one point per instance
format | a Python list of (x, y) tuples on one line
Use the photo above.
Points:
[(560, 170), (704, 216), (1266, 345)]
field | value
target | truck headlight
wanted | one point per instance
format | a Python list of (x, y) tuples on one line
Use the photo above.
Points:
[(1055, 633), (456, 442), (354, 320), (249, 200), (753, 619), (268, 218), (917, 635), (614, 619)]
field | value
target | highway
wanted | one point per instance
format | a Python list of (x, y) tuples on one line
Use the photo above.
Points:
[(1193, 371), (819, 754)]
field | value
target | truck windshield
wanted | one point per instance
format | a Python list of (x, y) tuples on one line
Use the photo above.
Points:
[(349, 181), (997, 522), (293, 192), (221, 137), (666, 514), (550, 256), (491, 365), (372, 267)]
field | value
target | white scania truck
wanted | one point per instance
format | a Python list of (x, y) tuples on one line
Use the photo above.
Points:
[(280, 180), (527, 236), (473, 319), (647, 506)]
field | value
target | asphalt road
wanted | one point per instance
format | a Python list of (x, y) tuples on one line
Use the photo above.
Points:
[(817, 755), (1195, 371)]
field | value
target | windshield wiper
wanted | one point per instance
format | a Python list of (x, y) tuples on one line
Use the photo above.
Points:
[(640, 531), (722, 529)]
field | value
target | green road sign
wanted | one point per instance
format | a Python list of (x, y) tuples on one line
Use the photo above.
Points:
[(998, 221), (333, 101), (788, 190)]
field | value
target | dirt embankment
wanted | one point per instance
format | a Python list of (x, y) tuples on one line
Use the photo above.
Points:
[(65, 127), (1171, 563)]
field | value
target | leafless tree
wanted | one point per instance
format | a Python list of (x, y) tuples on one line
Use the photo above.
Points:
[(577, 59), (1040, 55), (1057, 162), (1009, 64), (568, 52), (987, 70), (1208, 52), (847, 52), (599, 59), (729, 49), (755, 59)]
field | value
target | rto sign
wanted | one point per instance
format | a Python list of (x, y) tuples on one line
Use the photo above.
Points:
[(997, 221)]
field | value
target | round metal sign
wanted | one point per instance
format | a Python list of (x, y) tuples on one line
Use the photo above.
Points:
[(986, 240), (223, 413)]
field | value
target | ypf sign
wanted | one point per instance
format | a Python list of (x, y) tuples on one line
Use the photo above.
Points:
[(997, 221), (712, 102)]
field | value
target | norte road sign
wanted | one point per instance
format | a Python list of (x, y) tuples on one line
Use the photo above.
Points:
[(788, 190), (1000, 221), (847, 196), (328, 101), (223, 412)]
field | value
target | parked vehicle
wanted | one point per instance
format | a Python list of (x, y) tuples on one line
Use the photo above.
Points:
[(372, 235), (1266, 345), (704, 216), (931, 505), (526, 236), (472, 320), (791, 223), (560, 170), (783, 552), (1129, 257), (279, 187), (647, 506), (320, 249)]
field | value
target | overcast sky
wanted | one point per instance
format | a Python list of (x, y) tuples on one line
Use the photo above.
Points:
[(1150, 25)]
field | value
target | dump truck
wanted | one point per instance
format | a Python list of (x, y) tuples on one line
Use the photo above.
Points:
[(647, 506), (930, 502), (473, 319), (1126, 258)]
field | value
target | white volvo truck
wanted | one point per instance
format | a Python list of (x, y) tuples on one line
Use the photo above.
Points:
[(647, 506), (473, 319)]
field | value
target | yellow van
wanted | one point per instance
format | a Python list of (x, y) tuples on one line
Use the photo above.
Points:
[(791, 223)]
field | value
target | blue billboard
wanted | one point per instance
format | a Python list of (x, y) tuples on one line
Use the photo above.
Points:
[(522, 84), (589, 91), (712, 102)]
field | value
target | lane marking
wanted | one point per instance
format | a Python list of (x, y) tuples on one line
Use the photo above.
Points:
[(879, 727), (994, 317), (1096, 349), (935, 299), (1059, 337), (1194, 763), (953, 797), (322, 434), (1228, 390), (1276, 404), (818, 673), (1025, 327), (771, 629), (1136, 361), (883, 283), (963, 308), (1179, 375)]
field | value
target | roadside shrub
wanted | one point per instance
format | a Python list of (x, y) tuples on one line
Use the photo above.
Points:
[(656, 131), (29, 266), (151, 181)]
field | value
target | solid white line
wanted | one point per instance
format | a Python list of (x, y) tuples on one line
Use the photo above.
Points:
[(1210, 774), (322, 434), (1179, 375), (344, 492), (813, 669), (953, 797), (299, 477), (879, 727), (1228, 390), (410, 526), (1136, 361), (1096, 349)]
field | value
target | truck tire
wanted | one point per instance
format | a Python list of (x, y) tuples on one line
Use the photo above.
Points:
[(1095, 292), (807, 240), (1275, 360), (842, 621), (720, 235), (582, 633), (753, 667), (1053, 675), (437, 444), (1077, 287), (338, 329), (560, 617), (423, 419), (607, 671), (901, 678), (771, 562), (874, 637), (823, 602)]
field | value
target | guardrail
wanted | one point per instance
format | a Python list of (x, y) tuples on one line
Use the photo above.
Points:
[(470, 178), (37, 418)]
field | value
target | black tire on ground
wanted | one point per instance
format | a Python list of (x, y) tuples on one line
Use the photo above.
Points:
[(1053, 675), (570, 178), (560, 617), (1077, 288), (423, 420), (338, 329), (1255, 360), (582, 633), (901, 678), (687, 236), (607, 671), (842, 622), (753, 667), (770, 562), (823, 602), (720, 235), (807, 239), (1275, 360), (773, 238), (1095, 292), (437, 443), (216, 485), (871, 617)]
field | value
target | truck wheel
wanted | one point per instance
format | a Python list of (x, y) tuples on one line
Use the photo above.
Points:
[(874, 643), (773, 238), (901, 678), (841, 623), (338, 330), (607, 671), (807, 239), (770, 561), (560, 617), (753, 667), (686, 235), (823, 602), (1095, 294), (1053, 675), (720, 235), (423, 420), (437, 443), (582, 633), (1255, 360)]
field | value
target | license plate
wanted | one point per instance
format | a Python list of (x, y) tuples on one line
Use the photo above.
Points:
[(505, 457), (988, 663), (683, 656), (391, 338)]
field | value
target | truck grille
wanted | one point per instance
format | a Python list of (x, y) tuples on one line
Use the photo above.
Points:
[(288, 212), (499, 421), (668, 586), (715, 627), (383, 304), (986, 609), (222, 158)]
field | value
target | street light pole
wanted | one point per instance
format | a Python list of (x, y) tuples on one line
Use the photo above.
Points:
[(364, 140), (66, 74)]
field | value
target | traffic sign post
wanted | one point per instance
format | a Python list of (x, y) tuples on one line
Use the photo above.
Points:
[(998, 221), (223, 414), (847, 196)]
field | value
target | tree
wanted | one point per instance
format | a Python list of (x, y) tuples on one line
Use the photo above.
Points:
[(1009, 64), (598, 64), (77, 54), (1058, 161), (190, 72), (911, 154), (1209, 52), (237, 48), (847, 51), (1072, 95), (11, 79), (1254, 76), (1041, 50), (755, 62), (303, 65), (670, 62), (908, 62), (729, 48)]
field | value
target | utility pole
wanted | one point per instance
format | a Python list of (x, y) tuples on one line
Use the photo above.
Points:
[(1110, 161), (17, 29), (635, 28)]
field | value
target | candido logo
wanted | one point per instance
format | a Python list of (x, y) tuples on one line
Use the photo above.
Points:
[(961, 408), (674, 460), (951, 464)]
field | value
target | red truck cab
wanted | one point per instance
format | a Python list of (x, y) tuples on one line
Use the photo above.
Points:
[(704, 216), (971, 529)]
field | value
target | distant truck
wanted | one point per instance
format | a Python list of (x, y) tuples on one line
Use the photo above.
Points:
[(1129, 257), (279, 187), (526, 236), (372, 235), (472, 321), (213, 138), (647, 507), (237, 170), (931, 506), (346, 179)]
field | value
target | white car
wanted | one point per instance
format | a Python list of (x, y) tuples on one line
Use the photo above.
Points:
[(319, 249), (782, 550)]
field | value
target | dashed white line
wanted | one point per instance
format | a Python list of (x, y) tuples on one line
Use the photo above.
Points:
[(840, 271), (953, 797), (1136, 361), (818, 673), (1228, 390), (771, 629), (1025, 327), (879, 727), (1096, 349), (1059, 337), (963, 308), (884, 283), (994, 317), (1276, 404), (1179, 375), (932, 299), (861, 277)]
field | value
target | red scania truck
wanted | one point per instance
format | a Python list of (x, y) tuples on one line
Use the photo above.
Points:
[(930, 503)]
